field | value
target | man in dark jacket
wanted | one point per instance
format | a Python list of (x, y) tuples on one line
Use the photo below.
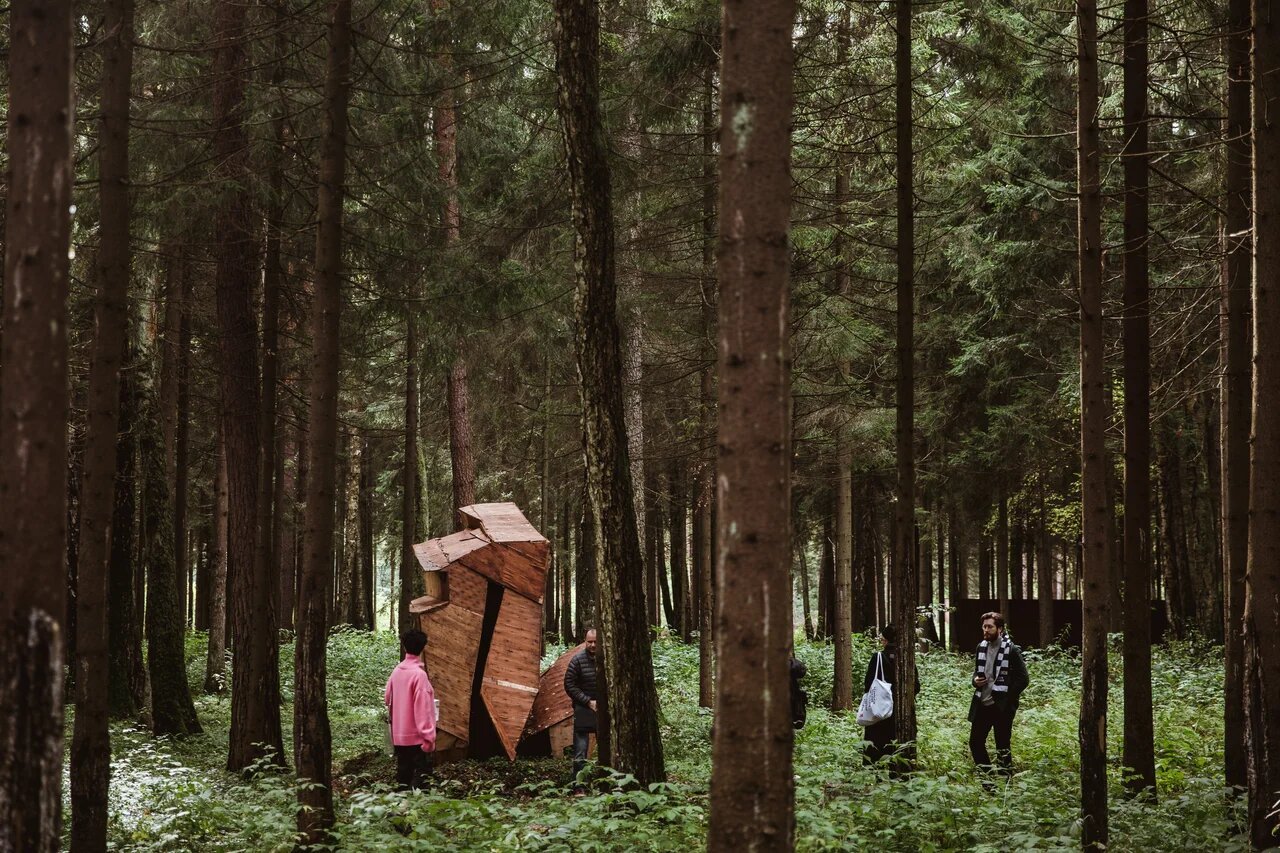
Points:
[(999, 677), (580, 684)]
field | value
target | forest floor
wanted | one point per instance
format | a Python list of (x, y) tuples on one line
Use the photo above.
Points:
[(173, 794)]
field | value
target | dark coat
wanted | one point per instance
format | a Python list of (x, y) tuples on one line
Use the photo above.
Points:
[(1017, 679), (580, 684), (882, 732), (890, 667)]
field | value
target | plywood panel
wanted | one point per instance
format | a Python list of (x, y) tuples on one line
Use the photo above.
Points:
[(511, 673), (503, 522), (468, 590), (453, 635), (561, 738), (504, 566), (552, 705)]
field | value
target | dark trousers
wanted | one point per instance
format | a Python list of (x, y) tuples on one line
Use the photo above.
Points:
[(879, 741), (413, 766), (581, 745), (999, 719)]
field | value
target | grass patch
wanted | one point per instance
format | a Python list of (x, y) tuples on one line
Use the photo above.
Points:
[(173, 794)]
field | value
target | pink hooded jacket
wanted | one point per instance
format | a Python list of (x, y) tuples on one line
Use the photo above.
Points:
[(411, 700)]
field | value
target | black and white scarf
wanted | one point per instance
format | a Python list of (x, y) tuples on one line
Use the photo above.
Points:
[(999, 684)]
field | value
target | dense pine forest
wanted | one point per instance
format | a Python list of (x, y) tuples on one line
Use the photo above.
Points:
[(781, 326)]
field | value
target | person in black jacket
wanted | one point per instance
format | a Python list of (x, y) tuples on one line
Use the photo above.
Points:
[(580, 684), (999, 677), (880, 735)]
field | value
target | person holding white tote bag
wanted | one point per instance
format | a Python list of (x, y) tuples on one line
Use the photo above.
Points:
[(879, 684)]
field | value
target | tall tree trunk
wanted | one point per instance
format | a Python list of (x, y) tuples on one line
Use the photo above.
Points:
[(842, 688), (1002, 554), (33, 421), (1044, 578), (585, 610), (266, 570), (349, 572), (287, 488), (362, 595), (705, 597), (1093, 465), (826, 581), (172, 710), (806, 607), (1236, 379), (903, 578), (634, 742), (410, 572), (679, 552), (1262, 576), (182, 451), (566, 571), (753, 808), (255, 695), (940, 538), (703, 528), (1178, 598), (215, 679), (312, 745), (445, 136), (546, 513), (129, 695), (91, 741), (1139, 731)]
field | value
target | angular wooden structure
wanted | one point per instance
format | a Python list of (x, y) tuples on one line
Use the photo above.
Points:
[(549, 729), (482, 615)]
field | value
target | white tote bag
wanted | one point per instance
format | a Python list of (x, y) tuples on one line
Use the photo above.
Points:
[(877, 703)]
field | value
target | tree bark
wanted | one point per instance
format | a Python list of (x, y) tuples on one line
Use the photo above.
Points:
[(410, 572), (705, 604), (215, 679), (585, 610), (172, 710), (903, 579), (1044, 579), (1002, 555), (1262, 574), (286, 525), (255, 695), (679, 552), (806, 607), (1093, 465), (1236, 380), (752, 787), (635, 744), (1139, 732), (91, 741), (362, 595), (266, 567), (566, 572), (313, 748), (33, 423), (842, 689), (127, 686)]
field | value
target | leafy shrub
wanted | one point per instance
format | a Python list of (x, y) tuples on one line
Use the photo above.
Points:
[(172, 794)]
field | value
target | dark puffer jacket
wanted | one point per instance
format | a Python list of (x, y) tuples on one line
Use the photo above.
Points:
[(580, 684)]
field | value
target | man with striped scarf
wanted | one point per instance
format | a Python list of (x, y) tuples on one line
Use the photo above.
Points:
[(999, 677)]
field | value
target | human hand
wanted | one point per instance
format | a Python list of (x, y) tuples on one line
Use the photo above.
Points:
[(592, 705), (979, 680)]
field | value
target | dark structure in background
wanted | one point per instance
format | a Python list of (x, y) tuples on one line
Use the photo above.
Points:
[(1023, 618)]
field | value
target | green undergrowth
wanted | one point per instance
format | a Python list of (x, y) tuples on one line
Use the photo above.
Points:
[(173, 794)]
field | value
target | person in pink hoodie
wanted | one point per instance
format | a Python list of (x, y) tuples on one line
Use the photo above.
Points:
[(410, 700)]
